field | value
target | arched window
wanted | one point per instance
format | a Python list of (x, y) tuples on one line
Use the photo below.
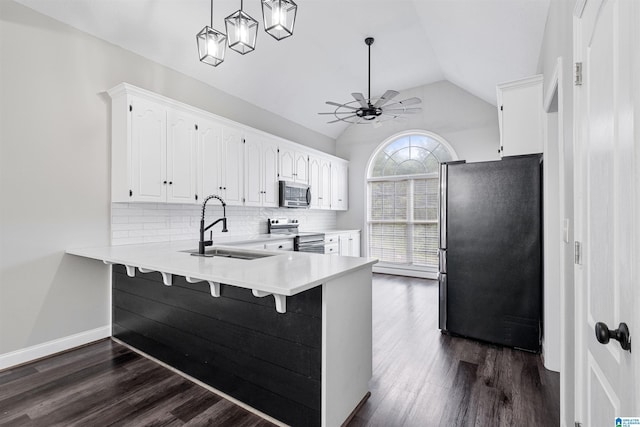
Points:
[(402, 212)]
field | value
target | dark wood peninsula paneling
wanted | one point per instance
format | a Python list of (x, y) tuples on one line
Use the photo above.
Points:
[(236, 343)]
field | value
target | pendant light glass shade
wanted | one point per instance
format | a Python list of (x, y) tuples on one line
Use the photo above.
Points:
[(242, 31), (212, 45), (279, 17)]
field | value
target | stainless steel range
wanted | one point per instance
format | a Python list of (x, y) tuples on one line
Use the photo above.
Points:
[(302, 242)]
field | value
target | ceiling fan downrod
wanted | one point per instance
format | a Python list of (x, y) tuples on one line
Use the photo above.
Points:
[(369, 41)]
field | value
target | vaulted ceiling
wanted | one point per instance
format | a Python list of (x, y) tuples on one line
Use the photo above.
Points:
[(474, 44)]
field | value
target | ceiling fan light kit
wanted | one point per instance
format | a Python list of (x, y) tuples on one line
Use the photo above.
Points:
[(242, 31), (372, 110), (279, 17)]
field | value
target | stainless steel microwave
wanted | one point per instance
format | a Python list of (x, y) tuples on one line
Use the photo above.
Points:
[(294, 195)]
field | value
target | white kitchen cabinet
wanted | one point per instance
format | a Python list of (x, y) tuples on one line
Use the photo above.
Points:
[(220, 160), (261, 171), (294, 164), (339, 185), (182, 129), (279, 245), (320, 182), (350, 243), (153, 150), (520, 116)]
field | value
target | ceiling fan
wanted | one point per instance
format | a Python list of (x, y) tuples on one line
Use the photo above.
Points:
[(366, 110)]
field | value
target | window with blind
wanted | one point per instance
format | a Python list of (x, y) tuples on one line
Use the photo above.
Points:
[(403, 201)]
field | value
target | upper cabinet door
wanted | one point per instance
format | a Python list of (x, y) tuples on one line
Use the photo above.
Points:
[(339, 185), (315, 182), (209, 158), (253, 165), (148, 151), (325, 184), (232, 165), (181, 157), (270, 174), (520, 116), (287, 164), (302, 167)]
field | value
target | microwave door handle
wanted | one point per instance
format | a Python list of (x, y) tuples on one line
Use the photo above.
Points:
[(308, 195)]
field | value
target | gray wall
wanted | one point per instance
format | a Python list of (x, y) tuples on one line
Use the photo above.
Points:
[(468, 123), (558, 42), (55, 170)]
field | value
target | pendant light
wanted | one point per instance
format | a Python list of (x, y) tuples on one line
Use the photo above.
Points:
[(242, 31), (212, 44), (279, 16)]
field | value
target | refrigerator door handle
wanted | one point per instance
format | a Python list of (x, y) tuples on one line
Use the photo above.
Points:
[(442, 261), (442, 211), (442, 313)]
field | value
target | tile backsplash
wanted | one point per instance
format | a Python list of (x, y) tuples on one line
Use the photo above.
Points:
[(151, 222)]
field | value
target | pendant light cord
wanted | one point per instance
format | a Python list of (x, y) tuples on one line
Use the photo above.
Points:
[(211, 13)]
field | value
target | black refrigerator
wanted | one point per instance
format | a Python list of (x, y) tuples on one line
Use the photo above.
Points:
[(490, 257)]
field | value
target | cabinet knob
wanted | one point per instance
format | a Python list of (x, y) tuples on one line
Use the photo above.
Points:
[(164, 182), (170, 182), (219, 188)]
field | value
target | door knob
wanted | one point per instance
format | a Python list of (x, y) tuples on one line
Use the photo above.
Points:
[(604, 334)]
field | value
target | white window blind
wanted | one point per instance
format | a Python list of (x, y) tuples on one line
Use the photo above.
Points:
[(403, 202)]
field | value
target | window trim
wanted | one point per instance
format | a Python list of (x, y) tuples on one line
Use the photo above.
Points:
[(405, 270)]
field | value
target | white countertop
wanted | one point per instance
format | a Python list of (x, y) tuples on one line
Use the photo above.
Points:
[(285, 273)]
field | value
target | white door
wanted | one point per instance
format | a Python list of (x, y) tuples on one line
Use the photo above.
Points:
[(232, 190), (253, 166), (607, 216), (315, 182), (325, 184), (287, 164), (181, 144), (148, 151), (270, 174), (209, 158)]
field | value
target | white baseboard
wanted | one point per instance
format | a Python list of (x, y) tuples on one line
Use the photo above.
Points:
[(49, 348)]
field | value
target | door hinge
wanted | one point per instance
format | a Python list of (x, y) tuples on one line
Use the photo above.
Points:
[(578, 76), (130, 107), (577, 251), (130, 193)]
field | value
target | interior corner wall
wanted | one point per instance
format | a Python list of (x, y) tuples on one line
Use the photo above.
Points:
[(558, 42), (468, 123), (55, 134)]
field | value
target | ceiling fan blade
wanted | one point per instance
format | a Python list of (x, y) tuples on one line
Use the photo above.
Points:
[(405, 102), (342, 119), (360, 98), (340, 105), (339, 112), (388, 96), (402, 110)]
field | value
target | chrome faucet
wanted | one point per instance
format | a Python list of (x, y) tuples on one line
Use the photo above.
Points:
[(204, 243)]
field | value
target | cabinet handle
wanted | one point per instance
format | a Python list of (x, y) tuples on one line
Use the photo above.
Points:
[(170, 182), (219, 188), (224, 188), (164, 182), (280, 247)]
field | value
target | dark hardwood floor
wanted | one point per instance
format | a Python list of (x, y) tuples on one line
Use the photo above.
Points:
[(420, 378), (424, 378)]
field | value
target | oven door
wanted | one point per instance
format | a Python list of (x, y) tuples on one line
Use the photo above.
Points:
[(315, 247)]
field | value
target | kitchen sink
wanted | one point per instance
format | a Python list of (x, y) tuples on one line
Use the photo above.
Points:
[(230, 253)]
